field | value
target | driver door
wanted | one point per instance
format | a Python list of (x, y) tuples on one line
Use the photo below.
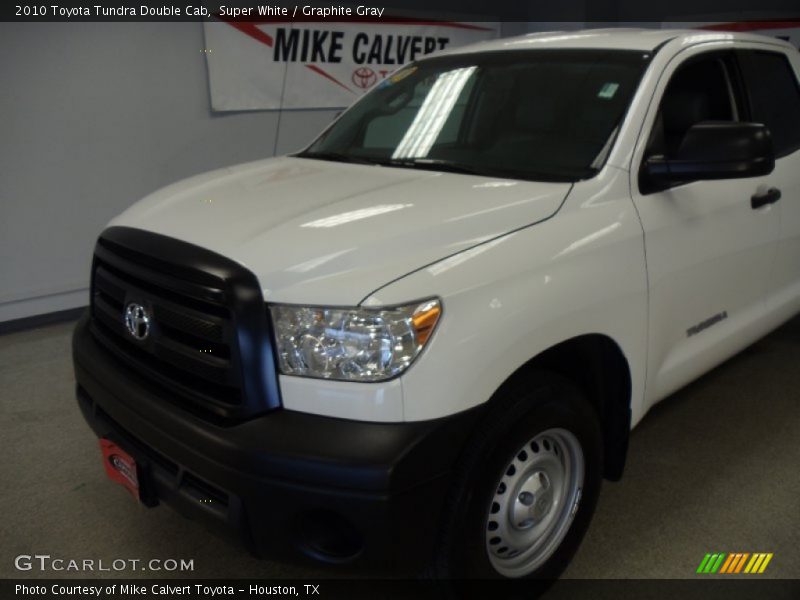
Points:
[(709, 252)]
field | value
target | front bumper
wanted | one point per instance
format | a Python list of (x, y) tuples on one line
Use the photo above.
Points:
[(288, 485)]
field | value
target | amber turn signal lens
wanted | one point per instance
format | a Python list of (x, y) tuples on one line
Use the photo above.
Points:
[(424, 320)]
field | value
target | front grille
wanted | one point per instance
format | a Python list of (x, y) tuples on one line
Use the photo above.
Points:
[(208, 326)]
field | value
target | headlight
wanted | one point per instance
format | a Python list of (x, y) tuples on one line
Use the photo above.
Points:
[(352, 344)]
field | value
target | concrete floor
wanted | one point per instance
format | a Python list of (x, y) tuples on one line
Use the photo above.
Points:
[(712, 469)]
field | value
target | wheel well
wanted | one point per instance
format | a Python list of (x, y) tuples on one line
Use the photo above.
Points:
[(596, 364)]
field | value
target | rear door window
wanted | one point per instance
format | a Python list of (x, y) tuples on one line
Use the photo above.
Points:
[(774, 97)]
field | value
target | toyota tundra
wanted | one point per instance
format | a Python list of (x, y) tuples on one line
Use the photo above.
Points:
[(426, 336)]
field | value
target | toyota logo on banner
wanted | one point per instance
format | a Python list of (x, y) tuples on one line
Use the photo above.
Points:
[(364, 77)]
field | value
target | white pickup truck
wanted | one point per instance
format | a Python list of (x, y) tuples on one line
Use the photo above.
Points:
[(428, 335)]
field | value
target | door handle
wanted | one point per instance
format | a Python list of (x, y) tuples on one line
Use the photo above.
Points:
[(771, 196)]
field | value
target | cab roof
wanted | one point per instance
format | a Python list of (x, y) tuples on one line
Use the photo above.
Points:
[(615, 38)]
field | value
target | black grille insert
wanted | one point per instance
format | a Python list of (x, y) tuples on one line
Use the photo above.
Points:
[(208, 325)]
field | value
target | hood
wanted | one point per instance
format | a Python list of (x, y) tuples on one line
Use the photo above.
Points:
[(323, 232)]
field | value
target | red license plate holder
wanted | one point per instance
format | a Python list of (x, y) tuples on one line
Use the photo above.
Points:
[(121, 467)]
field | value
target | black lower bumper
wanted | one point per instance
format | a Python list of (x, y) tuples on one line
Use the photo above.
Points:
[(288, 485)]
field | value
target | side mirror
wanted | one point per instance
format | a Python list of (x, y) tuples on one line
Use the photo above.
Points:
[(712, 150)]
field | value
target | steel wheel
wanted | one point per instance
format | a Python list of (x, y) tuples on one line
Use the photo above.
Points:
[(535, 501)]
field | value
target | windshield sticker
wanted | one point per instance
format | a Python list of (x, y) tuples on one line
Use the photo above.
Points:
[(608, 90), (399, 76)]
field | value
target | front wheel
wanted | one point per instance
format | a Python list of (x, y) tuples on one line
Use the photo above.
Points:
[(526, 486)]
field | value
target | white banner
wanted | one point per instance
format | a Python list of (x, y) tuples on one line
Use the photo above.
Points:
[(272, 65)]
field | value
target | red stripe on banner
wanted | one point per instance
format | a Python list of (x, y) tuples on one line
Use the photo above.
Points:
[(752, 25), (392, 21), (354, 19), (327, 75), (251, 30)]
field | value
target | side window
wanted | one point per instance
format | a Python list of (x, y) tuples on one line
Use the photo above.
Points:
[(700, 90), (774, 97)]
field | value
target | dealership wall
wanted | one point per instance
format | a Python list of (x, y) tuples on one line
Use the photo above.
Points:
[(95, 116)]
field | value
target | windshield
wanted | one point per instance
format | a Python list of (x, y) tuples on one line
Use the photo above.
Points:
[(546, 115)]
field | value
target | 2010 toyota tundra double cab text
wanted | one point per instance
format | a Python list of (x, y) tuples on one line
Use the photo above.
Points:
[(427, 336)]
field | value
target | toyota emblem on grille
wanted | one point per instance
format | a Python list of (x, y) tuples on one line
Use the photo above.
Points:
[(137, 321)]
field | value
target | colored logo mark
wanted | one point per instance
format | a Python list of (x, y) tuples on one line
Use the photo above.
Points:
[(735, 562)]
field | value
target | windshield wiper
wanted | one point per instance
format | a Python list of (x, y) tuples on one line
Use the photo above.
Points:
[(433, 164), (444, 166), (336, 157)]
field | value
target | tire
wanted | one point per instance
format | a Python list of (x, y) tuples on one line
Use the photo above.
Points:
[(526, 485)]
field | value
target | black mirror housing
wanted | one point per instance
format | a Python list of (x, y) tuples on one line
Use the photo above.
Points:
[(712, 150)]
